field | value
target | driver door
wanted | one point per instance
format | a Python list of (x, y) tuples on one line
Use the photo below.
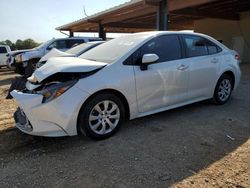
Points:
[(165, 82)]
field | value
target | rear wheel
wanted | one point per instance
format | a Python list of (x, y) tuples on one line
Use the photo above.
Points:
[(102, 116), (223, 90), (19, 69), (31, 67)]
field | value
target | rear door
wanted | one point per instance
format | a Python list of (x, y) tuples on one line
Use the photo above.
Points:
[(165, 82), (204, 61)]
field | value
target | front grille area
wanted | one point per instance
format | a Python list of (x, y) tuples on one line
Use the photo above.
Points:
[(22, 121)]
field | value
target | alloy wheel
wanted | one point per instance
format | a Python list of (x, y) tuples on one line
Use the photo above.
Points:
[(225, 89), (104, 117)]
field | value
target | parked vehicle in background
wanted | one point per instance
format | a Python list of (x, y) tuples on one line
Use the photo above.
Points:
[(72, 52), (125, 78), (11, 57), (25, 61), (4, 50)]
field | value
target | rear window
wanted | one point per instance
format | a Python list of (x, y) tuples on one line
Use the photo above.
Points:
[(75, 42), (3, 50), (199, 46), (212, 48), (195, 46), (59, 44)]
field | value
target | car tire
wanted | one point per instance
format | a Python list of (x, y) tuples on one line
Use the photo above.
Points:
[(18, 83), (223, 90), (31, 67), (19, 70), (101, 117)]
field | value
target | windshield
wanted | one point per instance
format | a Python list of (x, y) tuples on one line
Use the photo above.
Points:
[(79, 48), (114, 49), (45, 44)]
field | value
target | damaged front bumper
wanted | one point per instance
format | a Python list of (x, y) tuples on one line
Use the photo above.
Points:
[(22, 121), (53, 119)]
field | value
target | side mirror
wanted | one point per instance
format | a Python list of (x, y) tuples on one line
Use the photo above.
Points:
[(148, 59)]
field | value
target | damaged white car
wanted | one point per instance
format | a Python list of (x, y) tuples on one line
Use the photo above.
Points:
[(125, 78)]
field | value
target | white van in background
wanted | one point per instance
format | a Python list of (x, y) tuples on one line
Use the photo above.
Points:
[(4, 50)]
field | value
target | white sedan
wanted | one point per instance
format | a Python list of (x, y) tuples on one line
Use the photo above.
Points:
[(126, 78)]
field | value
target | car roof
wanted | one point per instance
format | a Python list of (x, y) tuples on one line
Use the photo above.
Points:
[(159, 33), (68, 38), (156, 33)]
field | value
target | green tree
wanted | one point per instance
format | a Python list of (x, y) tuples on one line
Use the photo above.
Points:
[(29, 43), (9, 43), (20, 44)]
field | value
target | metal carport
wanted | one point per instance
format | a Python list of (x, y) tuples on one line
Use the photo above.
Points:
[(147, 15)]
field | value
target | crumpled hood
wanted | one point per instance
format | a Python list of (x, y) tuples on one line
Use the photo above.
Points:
[(55, 53), (66, 65)]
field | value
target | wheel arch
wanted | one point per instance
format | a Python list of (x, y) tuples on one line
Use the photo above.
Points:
[(34, 59), (113, 91), (231, 74)]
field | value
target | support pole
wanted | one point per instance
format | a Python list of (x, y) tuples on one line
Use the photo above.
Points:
[(71, 34), (162, 16), (102, 33)]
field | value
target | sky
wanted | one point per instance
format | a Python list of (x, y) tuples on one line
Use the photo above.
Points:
[(37, 19)]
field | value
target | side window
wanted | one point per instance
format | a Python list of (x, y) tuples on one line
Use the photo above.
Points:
[(74, 42), (60, 44), (167, 47), (195, 46), (212, 48), (3, 50)]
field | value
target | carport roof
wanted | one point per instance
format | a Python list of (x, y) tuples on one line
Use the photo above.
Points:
[(141, 15)]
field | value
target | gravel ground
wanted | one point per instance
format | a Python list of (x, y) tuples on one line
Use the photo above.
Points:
[(200, 145)]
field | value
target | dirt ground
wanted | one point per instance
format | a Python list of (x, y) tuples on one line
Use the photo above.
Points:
[(200, 145)]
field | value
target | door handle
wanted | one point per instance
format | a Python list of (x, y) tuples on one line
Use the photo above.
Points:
[(183, 67), (214, 60)]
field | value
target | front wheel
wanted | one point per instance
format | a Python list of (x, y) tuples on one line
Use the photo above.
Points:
[(31, 67), (102, 116), (223, 90)]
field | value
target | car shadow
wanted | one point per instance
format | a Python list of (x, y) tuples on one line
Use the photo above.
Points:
[(7, 72), (6, 81)]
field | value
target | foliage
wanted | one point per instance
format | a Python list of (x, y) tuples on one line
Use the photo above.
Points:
[(20, 44)]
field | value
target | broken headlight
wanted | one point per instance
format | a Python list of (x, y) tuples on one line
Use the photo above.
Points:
[(55, 90)]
